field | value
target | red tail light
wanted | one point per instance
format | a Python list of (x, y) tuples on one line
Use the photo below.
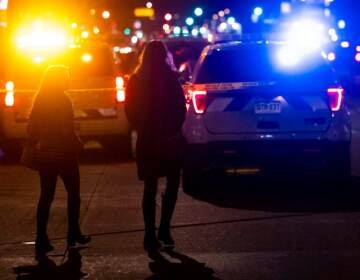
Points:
[(120, 90), (9, 95), (335, 96), (199, 100)]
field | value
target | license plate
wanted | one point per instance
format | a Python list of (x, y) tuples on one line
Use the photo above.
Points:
[(267, 108)]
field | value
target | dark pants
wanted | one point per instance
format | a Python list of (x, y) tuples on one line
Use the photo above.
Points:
[(71, 178), (168, 201)]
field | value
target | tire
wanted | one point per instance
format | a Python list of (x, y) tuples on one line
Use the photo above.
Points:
[(340, 166)]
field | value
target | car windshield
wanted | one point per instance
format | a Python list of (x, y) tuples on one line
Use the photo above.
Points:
[(185, 50), (81, 62), (94, 62), (250, 65)]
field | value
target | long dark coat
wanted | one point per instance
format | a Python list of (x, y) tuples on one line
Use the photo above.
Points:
[(155, 107), (52, 122)]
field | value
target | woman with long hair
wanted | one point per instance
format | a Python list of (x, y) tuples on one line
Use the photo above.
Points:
[(155, 107), (51, 131)]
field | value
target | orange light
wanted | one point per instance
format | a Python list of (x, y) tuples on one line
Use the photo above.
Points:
[(86, 57), (105, 14), (120, 95), (9, 96), (9, 86), (85, 34), (40, 35), (38, 59), (120, 91), (119, 82)]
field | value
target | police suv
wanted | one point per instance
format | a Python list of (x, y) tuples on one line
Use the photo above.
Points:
[(95, 88), (261, 108)]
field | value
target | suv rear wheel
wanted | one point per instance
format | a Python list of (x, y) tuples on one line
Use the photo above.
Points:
[(340, 165)]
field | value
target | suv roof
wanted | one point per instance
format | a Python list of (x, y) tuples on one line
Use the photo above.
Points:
[(256, 61)]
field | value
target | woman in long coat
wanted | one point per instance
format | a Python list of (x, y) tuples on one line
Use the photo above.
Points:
[(51, 131), (155, 107)]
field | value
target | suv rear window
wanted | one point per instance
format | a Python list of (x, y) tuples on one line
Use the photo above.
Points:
[(250, 65), (100, 62)]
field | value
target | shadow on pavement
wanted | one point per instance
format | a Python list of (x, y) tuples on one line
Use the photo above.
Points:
[(47, 269), (183, 267), (280, 194)]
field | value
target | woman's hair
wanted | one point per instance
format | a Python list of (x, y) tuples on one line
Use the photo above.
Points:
[(54, 83), (55, 80), (154, 55)]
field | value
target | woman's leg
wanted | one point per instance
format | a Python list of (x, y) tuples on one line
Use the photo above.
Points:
[(149, 203), (168, 206), (47, 185), (149, 212), (71, 178)]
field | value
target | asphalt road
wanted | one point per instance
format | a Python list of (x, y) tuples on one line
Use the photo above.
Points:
[(239, 229)]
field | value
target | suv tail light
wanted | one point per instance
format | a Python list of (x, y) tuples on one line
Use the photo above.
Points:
[(199, 100), (335, 95), (120, 90), (9, 94)]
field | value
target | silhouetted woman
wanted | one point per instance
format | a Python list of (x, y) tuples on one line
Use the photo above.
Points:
[(51, 131), (155, 107)]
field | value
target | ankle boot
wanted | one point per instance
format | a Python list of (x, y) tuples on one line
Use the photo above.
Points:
[(72, 239), (165, 237), (42, 246), (150, 242)]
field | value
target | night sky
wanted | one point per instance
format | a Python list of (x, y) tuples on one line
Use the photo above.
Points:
[(122, 10), (241, 9)]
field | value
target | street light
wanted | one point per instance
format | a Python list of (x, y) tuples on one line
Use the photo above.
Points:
[(258, 11), (198, 12), (168, 16), (189, 21), (105, 14)]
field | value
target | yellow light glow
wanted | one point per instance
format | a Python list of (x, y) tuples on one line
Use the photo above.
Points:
[(86, 57), (85, 34), (40, 35), (105, 14), (74, 25), (96, 30), (9, 86), (119, 82), (125, 50), (38, 59), (9, 96), (9, 99)]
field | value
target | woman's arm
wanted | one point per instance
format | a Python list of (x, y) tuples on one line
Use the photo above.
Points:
[(131, 106)]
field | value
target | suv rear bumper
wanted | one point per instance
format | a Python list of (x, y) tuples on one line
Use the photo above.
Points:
[(279, 155), (12, 129)]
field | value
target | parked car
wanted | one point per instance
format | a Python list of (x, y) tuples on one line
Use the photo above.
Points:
[(96, 89), (252, 108)]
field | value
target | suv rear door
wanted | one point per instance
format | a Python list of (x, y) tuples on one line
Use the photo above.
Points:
[(246, 95), (92, 82)]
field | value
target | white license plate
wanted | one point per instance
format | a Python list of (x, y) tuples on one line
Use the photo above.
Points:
[(267, 108)]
